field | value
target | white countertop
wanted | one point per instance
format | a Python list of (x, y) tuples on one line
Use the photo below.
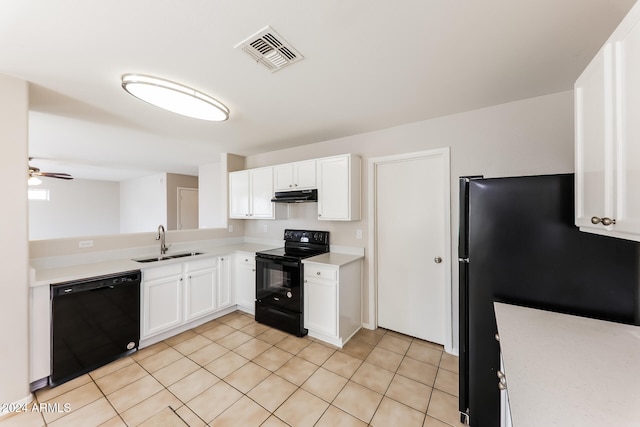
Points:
[(46, 276), (333, 258), (564, 370)]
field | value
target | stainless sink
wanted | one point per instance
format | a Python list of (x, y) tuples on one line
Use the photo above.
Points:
[(165, 257)]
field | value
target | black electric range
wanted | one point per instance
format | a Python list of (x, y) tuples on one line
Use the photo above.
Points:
[(279, 279)]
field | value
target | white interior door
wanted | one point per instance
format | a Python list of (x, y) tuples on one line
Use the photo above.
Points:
[(412, 232), (187, 208)]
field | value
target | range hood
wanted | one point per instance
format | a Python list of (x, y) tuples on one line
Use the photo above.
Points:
[(296, 196)]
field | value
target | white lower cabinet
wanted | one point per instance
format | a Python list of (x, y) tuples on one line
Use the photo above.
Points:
[(332, 301), (245, 281), (225, 285), (161, 299), (201, 286), (176, 294)]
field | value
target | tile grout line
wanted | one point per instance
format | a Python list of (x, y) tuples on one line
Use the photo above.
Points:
[(293, 352)]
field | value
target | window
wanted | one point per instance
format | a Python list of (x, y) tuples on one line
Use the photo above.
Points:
[(38, 194)]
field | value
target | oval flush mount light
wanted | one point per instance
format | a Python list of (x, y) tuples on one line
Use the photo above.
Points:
[(175, 97)]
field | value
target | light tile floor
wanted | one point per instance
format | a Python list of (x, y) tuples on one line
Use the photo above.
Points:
[(235, 372)]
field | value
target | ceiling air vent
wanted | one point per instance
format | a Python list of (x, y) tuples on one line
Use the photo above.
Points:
[(269, 49)]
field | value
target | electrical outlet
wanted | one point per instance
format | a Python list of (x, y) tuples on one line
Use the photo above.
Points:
[(358, 233), (85, 244), (230, 228)]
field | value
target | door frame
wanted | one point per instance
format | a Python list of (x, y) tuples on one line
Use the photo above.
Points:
[(373, 163)]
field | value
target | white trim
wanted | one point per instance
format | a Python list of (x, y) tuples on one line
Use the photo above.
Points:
[(372, 283)]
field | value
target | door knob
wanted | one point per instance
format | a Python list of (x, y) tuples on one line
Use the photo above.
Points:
[(437, 260)]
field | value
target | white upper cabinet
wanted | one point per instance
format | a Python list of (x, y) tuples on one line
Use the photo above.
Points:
[(250, 194), (338, 181), (607, 94), (295, 176)]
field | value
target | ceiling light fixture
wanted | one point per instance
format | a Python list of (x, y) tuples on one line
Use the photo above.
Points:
[(175, 97), (34, 181)]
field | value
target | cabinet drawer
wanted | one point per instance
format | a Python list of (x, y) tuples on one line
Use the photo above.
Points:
[(318, 272), (164, 271), (245, 258), (201, 264)]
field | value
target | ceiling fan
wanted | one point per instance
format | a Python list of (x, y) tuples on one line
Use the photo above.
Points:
[(35, 173)]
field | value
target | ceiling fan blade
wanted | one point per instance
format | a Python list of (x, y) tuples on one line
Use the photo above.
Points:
[(56, 175)]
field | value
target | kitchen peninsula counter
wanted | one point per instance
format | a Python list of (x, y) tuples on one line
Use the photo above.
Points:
[(564, 370), (46, 276)]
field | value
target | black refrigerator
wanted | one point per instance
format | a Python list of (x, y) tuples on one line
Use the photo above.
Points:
[(518, 244)]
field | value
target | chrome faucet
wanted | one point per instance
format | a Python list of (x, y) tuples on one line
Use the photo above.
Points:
[(160, 236)]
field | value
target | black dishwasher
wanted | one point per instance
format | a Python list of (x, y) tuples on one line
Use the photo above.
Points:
[(94, 321)]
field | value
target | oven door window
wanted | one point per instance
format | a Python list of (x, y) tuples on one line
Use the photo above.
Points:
[(278, 277)]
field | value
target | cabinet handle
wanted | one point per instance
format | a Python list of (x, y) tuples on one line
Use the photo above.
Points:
[(604, 220)]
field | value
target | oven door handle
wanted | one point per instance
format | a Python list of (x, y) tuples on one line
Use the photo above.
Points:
[(284, 263)]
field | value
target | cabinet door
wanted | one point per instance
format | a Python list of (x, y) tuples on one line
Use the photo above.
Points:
[(162, 304), (283, 177), (321, 306), (200, 292), (239, 194), (626, 41), (246, 284), (333, 188), (261, 193), (304, 174), (594, 140), (224, 291)]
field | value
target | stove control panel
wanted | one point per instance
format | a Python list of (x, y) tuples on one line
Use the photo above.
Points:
[(306, 236)]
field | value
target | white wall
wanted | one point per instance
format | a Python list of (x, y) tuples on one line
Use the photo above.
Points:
[(210, 196), (14, 250), (143, 203), (527, 137), (79, 207)]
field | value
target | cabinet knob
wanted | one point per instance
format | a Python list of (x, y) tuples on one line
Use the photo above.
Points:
[(253, 269), (290, 186), (246, 260), (502, 386), (497, 337), (604, 220), (295, 185), (500, 374), (437, 260), (317, 273)]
